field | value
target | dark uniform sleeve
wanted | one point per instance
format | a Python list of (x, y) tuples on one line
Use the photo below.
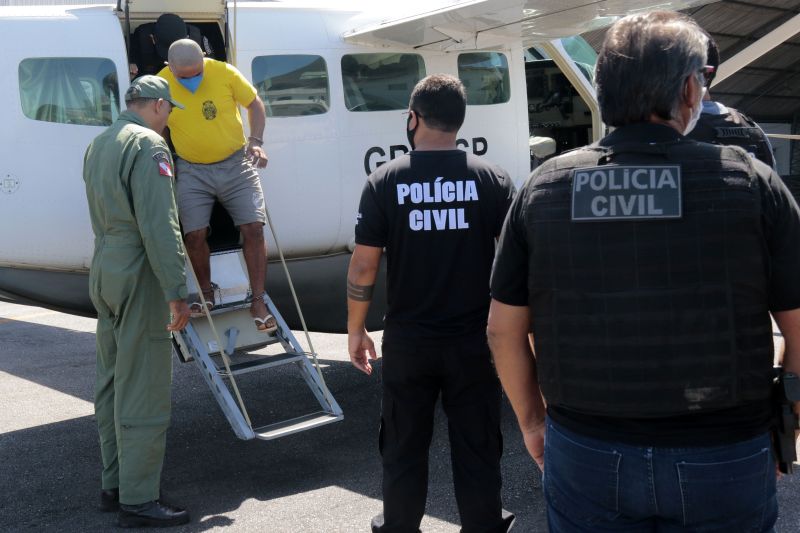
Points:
[(141, 48), (506, 196), (371, 223), (152, 188), (782, 231), (509, 282), (770, 155), (197, 36)]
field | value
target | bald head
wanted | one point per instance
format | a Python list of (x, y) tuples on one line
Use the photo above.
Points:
[(185, 53)]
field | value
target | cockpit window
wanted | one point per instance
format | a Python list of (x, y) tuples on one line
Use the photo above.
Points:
[(69, 90), (292, 85), (582, 54), (380, 82), (485, 76)]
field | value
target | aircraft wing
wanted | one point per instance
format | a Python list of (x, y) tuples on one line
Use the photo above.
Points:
[(476, 24)]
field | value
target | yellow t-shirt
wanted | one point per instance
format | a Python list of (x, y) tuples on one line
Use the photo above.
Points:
[(210, 128)]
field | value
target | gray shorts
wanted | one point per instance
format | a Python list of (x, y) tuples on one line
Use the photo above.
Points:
[(234, 181)]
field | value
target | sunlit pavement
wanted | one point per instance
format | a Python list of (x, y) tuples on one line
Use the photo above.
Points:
[(323, 480)]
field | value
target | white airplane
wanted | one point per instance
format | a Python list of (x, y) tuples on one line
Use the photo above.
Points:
[(336, 79)]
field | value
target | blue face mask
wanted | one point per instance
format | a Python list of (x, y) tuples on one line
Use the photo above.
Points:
[(192, 83)]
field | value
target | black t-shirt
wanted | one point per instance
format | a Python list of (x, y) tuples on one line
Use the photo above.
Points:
[(438, 214), (145, 56), (781, 225)]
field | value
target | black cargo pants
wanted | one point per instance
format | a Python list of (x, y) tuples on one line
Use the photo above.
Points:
[(414, 374)]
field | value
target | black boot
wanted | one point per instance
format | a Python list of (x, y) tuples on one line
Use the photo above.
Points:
[(152, 514), (109, 500)]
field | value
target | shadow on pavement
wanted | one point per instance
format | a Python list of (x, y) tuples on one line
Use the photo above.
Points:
[(326, 479), (289, 484)]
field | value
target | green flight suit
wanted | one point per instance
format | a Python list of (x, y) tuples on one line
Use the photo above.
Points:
[(138, 266)]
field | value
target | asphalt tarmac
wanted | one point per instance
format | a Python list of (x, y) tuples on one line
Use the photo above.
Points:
[(323, 480)]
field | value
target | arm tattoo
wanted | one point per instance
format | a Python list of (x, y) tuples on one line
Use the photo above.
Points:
[(359, 293)]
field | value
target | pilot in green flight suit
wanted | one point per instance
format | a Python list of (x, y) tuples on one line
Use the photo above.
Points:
[(136, 281)]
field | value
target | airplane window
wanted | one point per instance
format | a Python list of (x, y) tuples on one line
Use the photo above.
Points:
[(292, 85), (69, 90), (583, 54), (485, 76), (380, 82)]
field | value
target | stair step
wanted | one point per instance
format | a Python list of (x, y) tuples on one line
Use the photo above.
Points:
[(294, 425), (262, 343), (221, 309), (262, 363)]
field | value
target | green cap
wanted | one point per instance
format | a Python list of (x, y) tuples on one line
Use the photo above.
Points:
[(150, 87)]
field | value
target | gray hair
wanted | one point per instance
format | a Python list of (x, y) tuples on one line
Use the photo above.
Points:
[(184, 53), (138, 103), (644, 63)]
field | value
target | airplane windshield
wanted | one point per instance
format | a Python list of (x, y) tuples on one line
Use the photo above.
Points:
[(582, 54)]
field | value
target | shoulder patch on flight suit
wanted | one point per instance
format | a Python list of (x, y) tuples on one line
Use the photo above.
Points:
[(626, 192), (164, 166)]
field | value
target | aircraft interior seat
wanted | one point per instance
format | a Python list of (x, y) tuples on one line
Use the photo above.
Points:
[(51, 113), (349, 67), (355, 99)]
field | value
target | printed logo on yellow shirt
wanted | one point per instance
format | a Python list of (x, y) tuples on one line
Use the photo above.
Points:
[(209, 110)]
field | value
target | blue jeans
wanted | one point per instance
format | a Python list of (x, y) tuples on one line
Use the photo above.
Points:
[(594, 485)]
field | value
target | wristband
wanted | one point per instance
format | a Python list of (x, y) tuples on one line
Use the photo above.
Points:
[(255, 140)]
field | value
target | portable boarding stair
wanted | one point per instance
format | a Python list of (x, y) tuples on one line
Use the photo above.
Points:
[(222, 342)]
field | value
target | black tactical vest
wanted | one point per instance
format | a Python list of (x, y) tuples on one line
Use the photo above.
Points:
[(651, 318), (734, 128)]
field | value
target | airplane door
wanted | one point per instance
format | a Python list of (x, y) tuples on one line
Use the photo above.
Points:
[(154, 8), (66, 69), (293, 76)]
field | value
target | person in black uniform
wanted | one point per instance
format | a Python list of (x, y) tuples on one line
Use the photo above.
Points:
[(720, 124), (150, 43), (645, 267), (438, 212)]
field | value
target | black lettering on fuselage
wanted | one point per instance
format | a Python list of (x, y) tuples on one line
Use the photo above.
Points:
[(479, 141), (372, 151), (377, 156), (395, 148)]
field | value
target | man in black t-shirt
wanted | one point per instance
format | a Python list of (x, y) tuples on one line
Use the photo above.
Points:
[(150, 43), (437, 211), (646, 266)]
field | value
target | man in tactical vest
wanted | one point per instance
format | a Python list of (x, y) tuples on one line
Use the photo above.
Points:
[(437, 211), (720, 124), (645, 266)]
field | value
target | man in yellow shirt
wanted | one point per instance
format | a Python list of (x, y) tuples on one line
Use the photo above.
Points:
[(216, 160)]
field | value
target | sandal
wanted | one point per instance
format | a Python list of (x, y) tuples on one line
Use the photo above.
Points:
[(261, 323), (196, 308)]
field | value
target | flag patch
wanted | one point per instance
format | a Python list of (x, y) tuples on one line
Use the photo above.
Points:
[(164, 165), (164, 169)]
